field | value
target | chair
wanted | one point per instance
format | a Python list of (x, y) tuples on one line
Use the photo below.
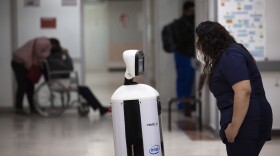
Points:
[(193, 100)]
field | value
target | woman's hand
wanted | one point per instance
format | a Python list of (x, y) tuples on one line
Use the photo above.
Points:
[(231, 133)]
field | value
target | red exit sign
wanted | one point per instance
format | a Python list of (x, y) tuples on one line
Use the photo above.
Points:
[(48, 22)]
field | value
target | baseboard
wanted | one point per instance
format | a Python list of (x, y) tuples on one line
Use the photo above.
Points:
[(116, 69), (6, 109), (275, 132)]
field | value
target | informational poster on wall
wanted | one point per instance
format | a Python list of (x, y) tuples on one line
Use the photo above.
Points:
[(245, 20)]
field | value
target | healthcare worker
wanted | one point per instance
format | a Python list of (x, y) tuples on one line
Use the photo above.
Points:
[(235, 81), (27, 63)]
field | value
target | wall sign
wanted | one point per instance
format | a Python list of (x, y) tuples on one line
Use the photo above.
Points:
[(245, 20), (123, 18), (48, 22)]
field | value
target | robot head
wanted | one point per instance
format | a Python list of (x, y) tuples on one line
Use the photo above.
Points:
[(134, 61)]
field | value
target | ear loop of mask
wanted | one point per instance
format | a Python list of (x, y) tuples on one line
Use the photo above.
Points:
[(200, 56)]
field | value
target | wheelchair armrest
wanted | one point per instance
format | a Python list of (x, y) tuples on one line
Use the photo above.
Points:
[(61, 72)]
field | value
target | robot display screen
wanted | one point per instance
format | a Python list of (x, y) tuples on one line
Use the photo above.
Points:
[(141, 65)]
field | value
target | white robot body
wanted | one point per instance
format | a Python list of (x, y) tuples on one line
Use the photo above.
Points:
[(136, 121), (136, 113)]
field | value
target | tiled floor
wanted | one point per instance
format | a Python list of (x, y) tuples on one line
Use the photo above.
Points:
[(71, 135)]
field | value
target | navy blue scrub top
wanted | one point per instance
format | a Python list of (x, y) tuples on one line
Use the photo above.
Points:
[(235, 65)]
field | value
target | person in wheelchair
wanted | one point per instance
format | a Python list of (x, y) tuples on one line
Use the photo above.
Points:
[(59, 59)]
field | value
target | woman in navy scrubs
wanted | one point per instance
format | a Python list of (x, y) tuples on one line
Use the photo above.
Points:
[(235, 81)]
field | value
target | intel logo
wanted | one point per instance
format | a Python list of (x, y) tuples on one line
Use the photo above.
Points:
[(154, 149)]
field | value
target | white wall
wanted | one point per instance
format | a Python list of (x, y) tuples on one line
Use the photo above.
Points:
[(131, 32), (96, 35), (272, 48), (105, 36), (272, 26), (148, 41), (273, 94), (5, 59)]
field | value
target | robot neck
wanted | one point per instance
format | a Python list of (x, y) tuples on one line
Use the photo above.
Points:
[(129, 82)]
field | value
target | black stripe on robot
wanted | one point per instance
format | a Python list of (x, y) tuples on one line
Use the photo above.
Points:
[(133, 128)]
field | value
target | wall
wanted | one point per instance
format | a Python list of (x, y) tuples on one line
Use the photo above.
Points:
[(272, 26), (68, 29), (148, 41), (272, 47), (107, 37), (165, 76), (96, 35), (123, 36), (273, 94), (5, 50)]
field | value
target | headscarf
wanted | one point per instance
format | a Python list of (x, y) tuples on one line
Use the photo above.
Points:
[(34, 52)]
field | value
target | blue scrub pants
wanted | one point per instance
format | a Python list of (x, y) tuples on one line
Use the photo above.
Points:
[(185, 77)]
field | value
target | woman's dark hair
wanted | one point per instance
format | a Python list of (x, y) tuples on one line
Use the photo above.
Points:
[(56, 48), (213, 39)]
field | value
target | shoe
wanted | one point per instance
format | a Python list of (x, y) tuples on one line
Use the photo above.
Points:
[(103, 110)]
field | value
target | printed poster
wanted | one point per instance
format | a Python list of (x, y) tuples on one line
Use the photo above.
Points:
[(245, 20)]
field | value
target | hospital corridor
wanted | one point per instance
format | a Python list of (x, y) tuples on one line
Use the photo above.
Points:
[(139, 78)]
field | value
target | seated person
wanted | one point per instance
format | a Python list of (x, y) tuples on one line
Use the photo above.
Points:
[(60, 60)]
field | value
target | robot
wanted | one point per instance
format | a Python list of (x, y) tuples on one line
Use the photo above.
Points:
[(136, 112)]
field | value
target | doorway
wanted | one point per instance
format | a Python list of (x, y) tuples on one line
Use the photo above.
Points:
[(110, 27)]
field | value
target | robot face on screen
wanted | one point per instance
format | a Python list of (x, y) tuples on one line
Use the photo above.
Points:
[(134, 61)]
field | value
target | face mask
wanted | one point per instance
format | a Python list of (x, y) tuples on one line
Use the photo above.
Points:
[(200, 56)]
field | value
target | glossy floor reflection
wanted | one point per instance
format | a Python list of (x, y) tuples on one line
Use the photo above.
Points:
[(71, 135)]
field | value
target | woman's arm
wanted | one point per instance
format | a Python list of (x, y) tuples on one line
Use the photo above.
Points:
[(242, 92)]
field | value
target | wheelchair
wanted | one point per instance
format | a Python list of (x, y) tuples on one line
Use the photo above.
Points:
[(54, 96)]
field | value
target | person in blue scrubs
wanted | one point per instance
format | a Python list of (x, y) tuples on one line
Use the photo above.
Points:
[(235, 81), (183, 34)]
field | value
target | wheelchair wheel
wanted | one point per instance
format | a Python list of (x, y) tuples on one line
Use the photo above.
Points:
[(51, 99), (83, 109)]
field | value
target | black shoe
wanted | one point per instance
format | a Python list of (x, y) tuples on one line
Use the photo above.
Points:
[(103, 110)]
